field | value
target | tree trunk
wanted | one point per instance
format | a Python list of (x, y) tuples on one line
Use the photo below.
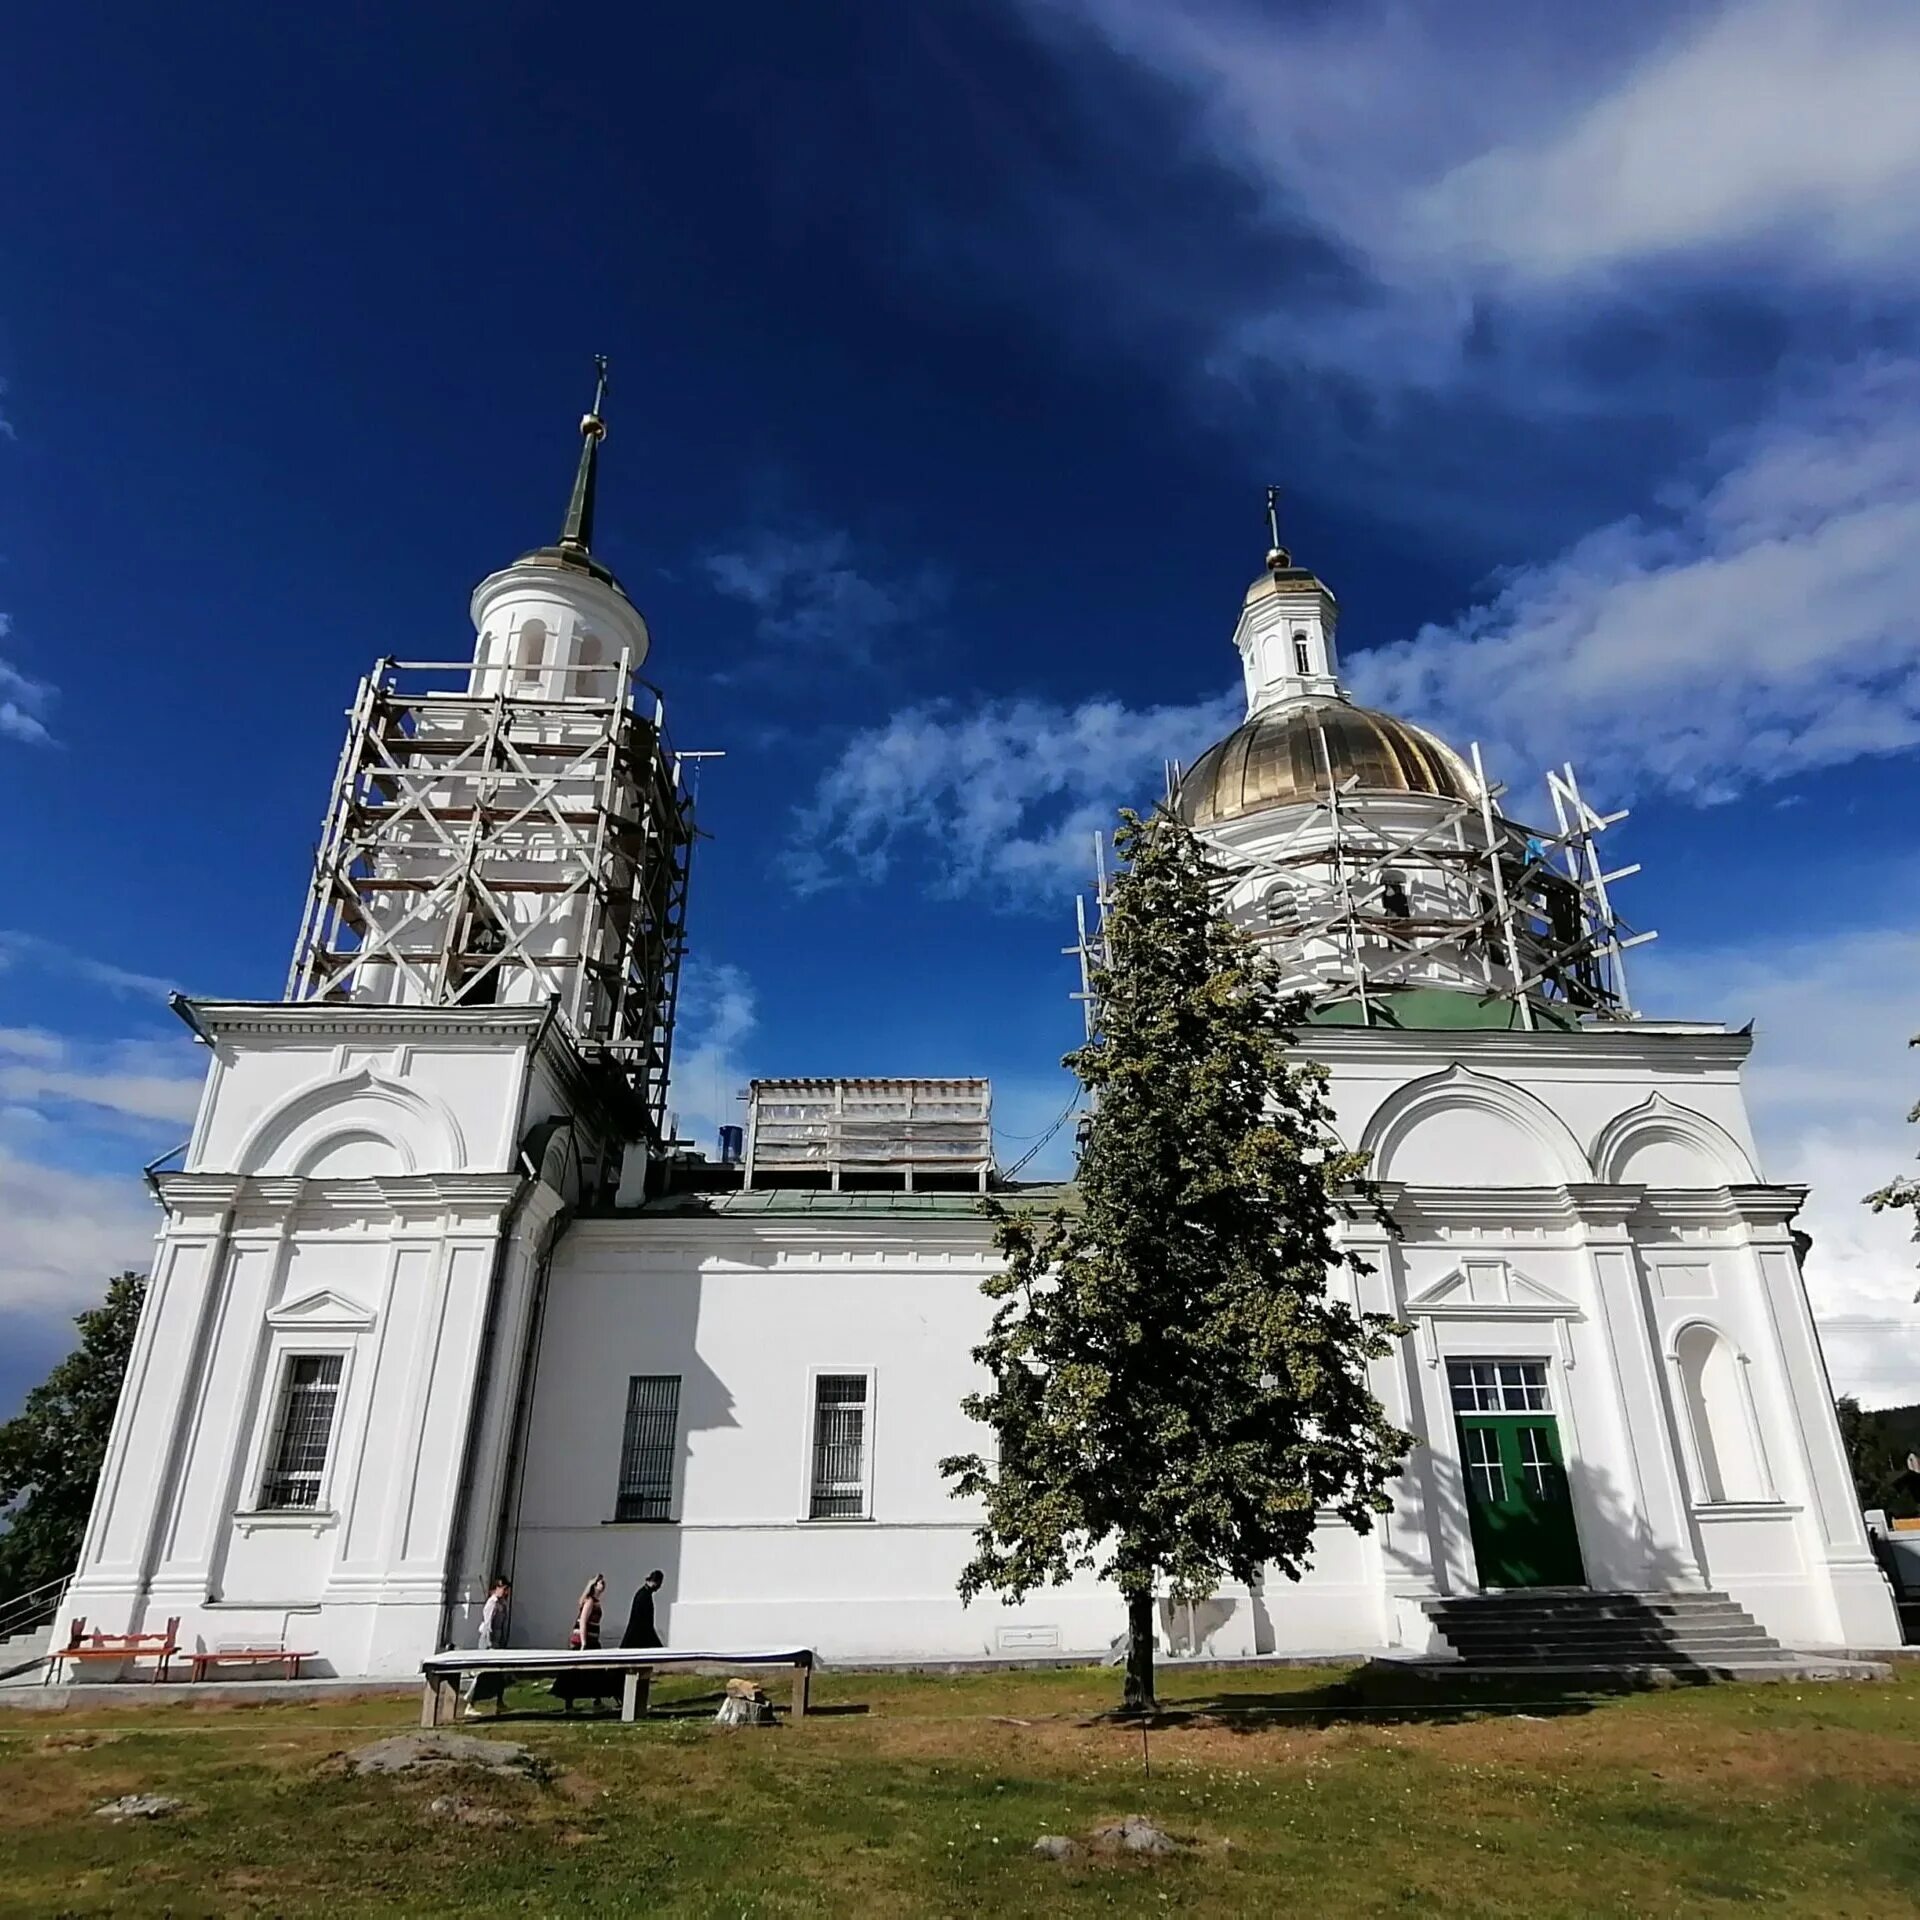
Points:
[(1139, 1694)]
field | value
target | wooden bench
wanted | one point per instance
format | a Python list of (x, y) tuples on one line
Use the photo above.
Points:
[(241, 1656), (636, 1666), (121, 1647)]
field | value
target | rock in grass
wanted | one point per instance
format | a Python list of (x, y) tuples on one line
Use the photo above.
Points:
[(440, 1753), (1135, 1834), (1056, 1846), (451, 1807), (139, 1806)]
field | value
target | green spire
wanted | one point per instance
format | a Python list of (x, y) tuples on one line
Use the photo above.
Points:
[(576, 533)]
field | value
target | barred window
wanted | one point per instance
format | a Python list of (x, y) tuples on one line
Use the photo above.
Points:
[(647, 1447), (302, 1431), (839, 1447)]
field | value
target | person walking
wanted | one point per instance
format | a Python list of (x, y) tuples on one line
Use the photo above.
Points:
[(641, 1631), (493, 1633), (586, 1616), (586, 1683)]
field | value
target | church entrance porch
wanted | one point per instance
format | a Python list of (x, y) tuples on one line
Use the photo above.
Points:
[(1519, 1506)]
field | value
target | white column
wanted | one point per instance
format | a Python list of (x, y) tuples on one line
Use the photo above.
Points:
[(213, 1452), (1652, 1493), (1404, 1542), (159, 1403), (460, 1221), (1857, 1601)]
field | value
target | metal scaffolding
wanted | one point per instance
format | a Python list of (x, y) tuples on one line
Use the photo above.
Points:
[(1354, 902), (498, 835), (863, 1133)]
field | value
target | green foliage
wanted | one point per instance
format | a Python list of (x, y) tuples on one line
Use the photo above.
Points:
[(1900, 1195), (1174, 1389), (1877, 1453), (52, 1450)]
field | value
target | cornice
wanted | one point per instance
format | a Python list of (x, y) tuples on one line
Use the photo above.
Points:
[(1486, 1048), (410, 1193), (334, 1020)]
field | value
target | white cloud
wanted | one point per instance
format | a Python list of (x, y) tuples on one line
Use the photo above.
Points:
[(1785, 120), (1829, 1083), (23, 702), (813, 593), (1002, 800), (716, 1016), (30, 949), (142, 1082), (1754, 628), (1432, 183), (66, 1234)]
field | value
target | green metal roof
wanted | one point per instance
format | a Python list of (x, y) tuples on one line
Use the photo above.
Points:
[(1439, 1009)]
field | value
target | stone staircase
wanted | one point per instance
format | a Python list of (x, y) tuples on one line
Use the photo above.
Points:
[(22, 1655), (1565, 1631)]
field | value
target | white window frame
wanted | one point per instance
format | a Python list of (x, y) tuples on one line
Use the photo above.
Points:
[(285, 1348), (867, 1434)]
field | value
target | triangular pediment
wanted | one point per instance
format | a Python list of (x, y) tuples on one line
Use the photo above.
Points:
[(322, 1308), (1492, 1287)]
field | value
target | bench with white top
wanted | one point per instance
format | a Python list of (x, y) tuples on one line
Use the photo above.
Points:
[(442, 1672)]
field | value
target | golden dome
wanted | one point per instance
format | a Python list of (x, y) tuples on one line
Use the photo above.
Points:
[(1275, 760)]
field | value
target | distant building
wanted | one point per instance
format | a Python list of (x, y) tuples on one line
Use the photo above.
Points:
[(437, 1296)]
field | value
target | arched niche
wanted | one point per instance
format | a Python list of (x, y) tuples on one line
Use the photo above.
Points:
[(1464, 1129), (351, 1153), (1729, 1463), (1660, 1144), (354, 1128)]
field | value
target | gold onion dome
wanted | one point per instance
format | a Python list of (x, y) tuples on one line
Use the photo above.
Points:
[(1275, 760)]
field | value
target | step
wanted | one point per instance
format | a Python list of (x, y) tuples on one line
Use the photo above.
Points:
[(1584, 1607), (1610, 1630), (1795, 1666), (1617, 1642)]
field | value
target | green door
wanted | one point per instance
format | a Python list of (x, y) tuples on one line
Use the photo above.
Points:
[(1518, 1503)]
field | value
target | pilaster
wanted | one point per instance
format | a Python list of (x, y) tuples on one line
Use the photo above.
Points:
[(1862, 1613), (1654, 1488)]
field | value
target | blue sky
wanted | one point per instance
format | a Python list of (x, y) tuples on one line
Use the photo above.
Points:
[(952, 347)]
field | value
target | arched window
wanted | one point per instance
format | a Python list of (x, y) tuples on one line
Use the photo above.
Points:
[(1395, 902), (1717, 1411), (1302, 654), (1278, 909), (530, 648)]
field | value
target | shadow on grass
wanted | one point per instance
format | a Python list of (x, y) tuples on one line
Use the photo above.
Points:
[(1382, 1692)]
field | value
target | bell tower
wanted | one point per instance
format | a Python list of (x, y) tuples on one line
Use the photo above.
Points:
[(329, 1382), (513, 829)]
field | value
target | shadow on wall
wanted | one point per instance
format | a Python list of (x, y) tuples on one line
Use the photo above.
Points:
[(585, 1421)]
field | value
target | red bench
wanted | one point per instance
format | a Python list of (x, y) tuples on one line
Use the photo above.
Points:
[(121, 1647), (288, 1657)]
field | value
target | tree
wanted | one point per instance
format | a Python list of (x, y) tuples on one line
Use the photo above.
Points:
[(1882, 1476), (1903, 1194), (1175, 1392), (51, 1452)]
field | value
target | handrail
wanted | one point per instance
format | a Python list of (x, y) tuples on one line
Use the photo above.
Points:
[(33, 1608)]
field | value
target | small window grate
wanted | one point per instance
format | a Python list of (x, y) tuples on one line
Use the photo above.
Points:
[(839, 1447), (297, 1457), (647, 1447)]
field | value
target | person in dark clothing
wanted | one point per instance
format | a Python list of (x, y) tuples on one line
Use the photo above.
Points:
[(641, 1632), (587, 1683)]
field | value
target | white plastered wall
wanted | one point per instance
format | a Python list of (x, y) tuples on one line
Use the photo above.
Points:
[(346, 1191)]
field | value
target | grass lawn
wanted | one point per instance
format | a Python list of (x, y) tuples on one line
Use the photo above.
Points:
[(1304, 1792)]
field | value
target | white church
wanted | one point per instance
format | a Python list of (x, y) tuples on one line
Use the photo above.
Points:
[(437, 1297)]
